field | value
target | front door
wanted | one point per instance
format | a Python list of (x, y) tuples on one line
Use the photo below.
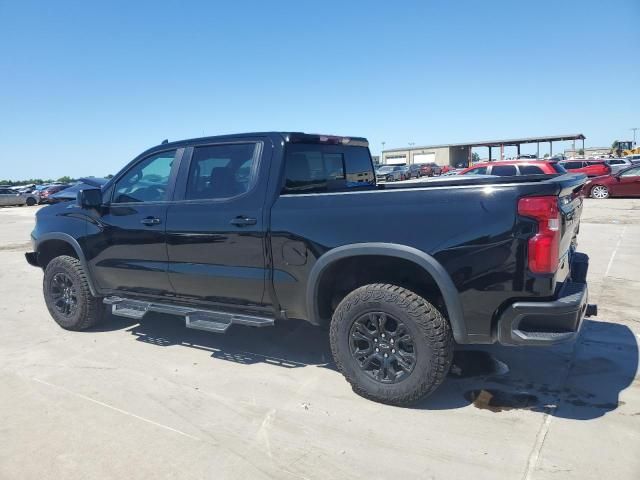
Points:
[(215, 227), (628, 184), (129, 251)]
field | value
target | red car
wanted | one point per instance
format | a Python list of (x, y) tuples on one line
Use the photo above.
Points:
[(625, 183), (516, 167), (430, 169), (47, 192), (591, 168)]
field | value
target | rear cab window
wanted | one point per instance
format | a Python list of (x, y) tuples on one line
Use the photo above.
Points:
[(318, 168)]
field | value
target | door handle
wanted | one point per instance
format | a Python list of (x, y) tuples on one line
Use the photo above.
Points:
[(242, 221), (150, 221)]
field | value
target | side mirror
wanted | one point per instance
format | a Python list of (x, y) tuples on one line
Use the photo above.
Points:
[(89, 198)]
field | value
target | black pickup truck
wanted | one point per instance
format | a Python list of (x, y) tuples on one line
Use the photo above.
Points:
[(252, 228)]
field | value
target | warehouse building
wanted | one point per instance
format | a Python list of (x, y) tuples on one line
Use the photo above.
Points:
[(588, 152), (460, 153), (440, 154)]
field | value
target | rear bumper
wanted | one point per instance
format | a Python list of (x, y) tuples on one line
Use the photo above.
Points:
[(552, 322)]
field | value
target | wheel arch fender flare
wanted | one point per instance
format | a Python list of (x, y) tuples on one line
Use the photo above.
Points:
[(429, 264), (65, 237)]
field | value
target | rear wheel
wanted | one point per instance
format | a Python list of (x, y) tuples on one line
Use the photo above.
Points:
[(600, 192), (391, 345), (68, 296)]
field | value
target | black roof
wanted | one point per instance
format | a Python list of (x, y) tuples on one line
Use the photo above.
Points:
[(287, 137)]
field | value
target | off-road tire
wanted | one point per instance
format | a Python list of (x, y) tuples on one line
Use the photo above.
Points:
[(89, 310), (431, 333)]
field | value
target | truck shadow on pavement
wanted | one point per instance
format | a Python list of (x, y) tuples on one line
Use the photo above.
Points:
[(578, 381)]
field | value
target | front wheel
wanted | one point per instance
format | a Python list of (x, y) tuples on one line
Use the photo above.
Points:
[(68, 296), (600, 192), (31, 202), (391, 345)]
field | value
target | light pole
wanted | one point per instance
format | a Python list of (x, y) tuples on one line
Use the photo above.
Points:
[(382, 154), (634, 129)]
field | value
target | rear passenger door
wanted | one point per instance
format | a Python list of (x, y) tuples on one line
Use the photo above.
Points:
[(215, 225)]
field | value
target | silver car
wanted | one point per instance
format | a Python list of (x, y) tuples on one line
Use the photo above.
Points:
[(9, 196), (391, 173), (618, 164)]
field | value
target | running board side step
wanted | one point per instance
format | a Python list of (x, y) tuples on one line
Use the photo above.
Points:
[(209, 320)]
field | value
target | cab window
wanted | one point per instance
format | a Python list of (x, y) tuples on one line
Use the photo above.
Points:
[(314, 168), (147, 181), (221, 171)]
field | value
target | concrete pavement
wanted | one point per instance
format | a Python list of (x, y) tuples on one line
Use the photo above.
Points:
[(154, 399)]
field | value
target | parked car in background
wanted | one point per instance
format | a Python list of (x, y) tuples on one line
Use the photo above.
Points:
[(625, 183), (405, 172), (24, 188), (527, 156), (390, 173), (430, 169), (413, 171), (515, 167), (70, 194), (8, 196), (618, 164), (591, 168), (635, 158), (47, 192)]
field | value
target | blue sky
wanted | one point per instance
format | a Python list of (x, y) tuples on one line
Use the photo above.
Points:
[(86, 86)]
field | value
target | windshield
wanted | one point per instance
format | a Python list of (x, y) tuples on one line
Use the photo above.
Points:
[(385, 169)]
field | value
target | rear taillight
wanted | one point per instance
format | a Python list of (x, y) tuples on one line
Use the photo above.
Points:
[(544, 246)]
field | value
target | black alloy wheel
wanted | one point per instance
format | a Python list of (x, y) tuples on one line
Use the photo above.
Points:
[(383, 347), (64, 294)]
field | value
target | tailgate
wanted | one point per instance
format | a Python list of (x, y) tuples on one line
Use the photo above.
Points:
[(570, 201)]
